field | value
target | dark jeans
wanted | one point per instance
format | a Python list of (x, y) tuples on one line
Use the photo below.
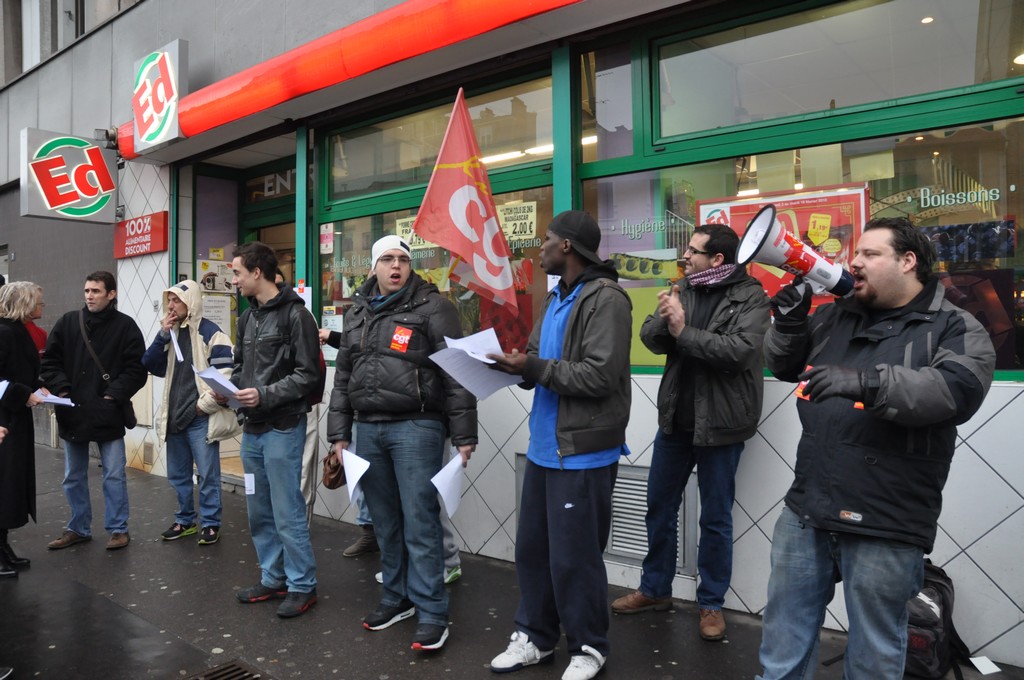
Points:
[(564, 520), (673, 460)]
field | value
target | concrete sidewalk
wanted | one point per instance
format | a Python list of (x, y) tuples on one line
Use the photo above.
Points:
[(166, 609)]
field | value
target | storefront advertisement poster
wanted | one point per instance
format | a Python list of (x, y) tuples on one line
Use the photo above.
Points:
[(828, 219), (215, 276)]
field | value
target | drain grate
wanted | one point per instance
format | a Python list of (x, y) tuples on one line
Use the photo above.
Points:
[(233, 670)]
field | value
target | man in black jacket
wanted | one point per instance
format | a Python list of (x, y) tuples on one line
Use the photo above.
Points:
[(405, 406), (276, 368), (885, 376), (710, 328), (101, 387)]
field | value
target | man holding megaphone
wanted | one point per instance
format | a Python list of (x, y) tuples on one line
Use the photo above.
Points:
[(885, 376), (710, 327)]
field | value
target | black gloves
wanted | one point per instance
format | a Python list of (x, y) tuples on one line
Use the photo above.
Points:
[(839, 381), (791, 305)]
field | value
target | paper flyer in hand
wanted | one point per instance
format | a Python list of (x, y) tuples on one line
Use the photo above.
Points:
[(465, 360)]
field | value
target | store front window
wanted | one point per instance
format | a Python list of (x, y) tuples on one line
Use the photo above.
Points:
[(833, 57), (513, 125), (960, 185), (345, 264), (606, 108)]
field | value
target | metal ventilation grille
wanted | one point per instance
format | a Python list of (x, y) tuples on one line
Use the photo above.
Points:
[(629, 505), (233, 670)]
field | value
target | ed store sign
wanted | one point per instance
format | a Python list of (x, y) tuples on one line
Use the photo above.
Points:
[(157, 89), (140, 236), (67, 177)]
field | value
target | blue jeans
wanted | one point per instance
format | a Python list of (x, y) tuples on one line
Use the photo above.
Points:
[(115, 486), (184, 449), (277, 509), (878, 576), (672, 461), (403, 456)]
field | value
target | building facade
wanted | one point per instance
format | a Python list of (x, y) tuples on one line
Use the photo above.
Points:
[(314, 126)]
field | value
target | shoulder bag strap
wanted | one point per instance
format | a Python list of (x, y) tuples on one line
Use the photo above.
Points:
[(88, 346)]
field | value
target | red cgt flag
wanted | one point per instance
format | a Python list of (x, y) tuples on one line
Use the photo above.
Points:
[(458, 214)]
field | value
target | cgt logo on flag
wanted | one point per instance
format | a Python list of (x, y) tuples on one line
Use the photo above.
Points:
[(154, 98), (73, 176), (458, 214)]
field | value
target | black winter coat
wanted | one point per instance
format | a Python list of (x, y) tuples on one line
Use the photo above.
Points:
[(68, 367), (383, 370), (19, 364)]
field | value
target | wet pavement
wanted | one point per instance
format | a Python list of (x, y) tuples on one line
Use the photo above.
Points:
[(161, 609)]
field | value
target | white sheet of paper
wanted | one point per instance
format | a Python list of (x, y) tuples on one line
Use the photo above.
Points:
[(219, 384), (984, 665), (473, 374), (355, 468), (177, 348), (449, 483), (250, 484), (3, 386), (49, 398), (478, 345)]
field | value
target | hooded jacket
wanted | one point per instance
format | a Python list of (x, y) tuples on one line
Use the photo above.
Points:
[(592, 377), (878, 468), (210, 347), (383, 370), (277, 351), (725, 359)]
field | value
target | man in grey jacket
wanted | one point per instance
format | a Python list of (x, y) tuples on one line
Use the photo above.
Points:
[(711, 328), (276, 366), (578, 359)]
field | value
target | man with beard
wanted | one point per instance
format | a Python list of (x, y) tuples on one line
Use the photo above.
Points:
[(887, 375)]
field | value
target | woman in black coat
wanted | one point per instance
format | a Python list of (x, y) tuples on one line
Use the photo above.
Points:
[(19, 379)]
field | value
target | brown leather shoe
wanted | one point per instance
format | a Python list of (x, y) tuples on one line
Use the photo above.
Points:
[(712, 624), (637, 602), (367, 543), (67, 539), (118, 540)]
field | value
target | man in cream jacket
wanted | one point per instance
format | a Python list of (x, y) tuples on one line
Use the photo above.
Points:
[(189, 419)]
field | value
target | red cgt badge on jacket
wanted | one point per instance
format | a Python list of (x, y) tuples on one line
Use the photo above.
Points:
[(400, 340)]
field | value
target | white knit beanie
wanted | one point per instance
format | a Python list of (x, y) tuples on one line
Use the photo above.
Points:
[(384, 244)]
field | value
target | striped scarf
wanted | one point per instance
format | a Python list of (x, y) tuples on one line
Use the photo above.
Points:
[(711, 276)]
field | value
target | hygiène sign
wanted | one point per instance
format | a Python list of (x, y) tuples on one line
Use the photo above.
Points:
[(67, 177), (140, 236), (160, 83)]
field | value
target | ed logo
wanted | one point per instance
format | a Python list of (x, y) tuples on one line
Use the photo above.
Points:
[(72, 172)]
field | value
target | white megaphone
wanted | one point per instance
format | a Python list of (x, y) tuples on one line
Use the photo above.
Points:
[(765, 241)]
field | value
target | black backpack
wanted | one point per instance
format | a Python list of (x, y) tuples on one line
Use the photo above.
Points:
[(933, 645)]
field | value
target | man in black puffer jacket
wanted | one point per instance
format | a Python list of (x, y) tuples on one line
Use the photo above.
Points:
[(405, 406)]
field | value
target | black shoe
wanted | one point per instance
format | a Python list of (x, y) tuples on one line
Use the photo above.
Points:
[(6, 570), (7, 553), (5, 672), (296, 603), (261, 593), (209, 535), (178, 531), (429, 636), (384, 615)]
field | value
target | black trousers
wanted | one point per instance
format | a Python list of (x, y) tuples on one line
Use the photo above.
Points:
[(564, 520)]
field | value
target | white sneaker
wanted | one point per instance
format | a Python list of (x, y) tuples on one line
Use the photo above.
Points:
[(584, 666), (379, 576), (521, 652)]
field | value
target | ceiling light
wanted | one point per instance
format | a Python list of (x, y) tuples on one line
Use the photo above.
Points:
[(919, 138), (748, 192), (935, 153), (1019, 59), (543, 149), (927, 20), (590, 139), (497, 158), (798, 186)]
